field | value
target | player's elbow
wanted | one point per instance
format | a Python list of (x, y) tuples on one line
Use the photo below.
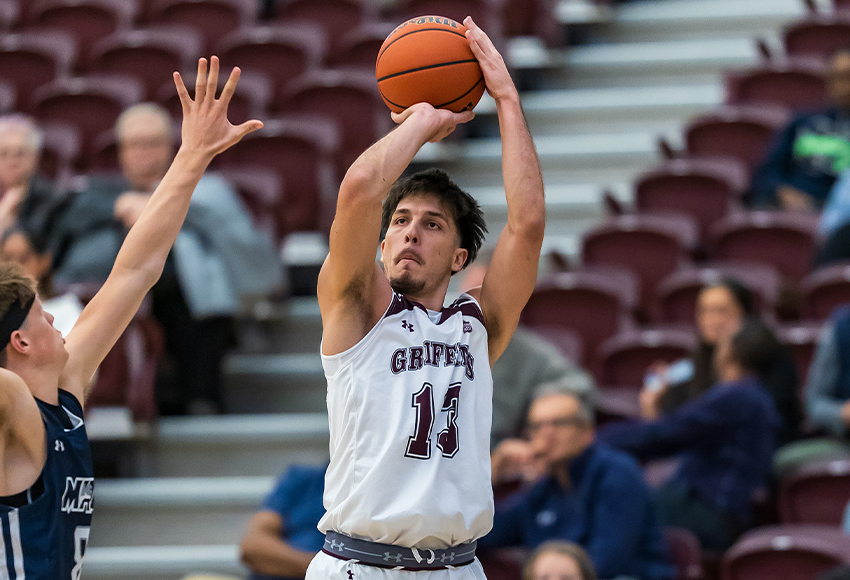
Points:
[(249, 552)]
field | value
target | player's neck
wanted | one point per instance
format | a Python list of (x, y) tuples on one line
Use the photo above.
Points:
[(433, 299), (43, 382)]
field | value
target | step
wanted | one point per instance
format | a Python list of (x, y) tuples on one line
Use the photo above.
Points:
[(176, 511), (251, 445), (275, 383), (161, 562)]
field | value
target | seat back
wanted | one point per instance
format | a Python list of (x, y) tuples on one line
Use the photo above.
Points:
[(261, 189), (816, 494), (793, 86), (29, 60), (685, 553), (212, 19), (817, 36), (335, 17), (624, 359), (802, 339), (825, 289)]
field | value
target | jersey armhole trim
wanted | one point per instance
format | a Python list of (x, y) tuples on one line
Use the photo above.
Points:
[(333, 363)]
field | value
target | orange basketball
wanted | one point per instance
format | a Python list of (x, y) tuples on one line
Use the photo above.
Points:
[(428, 59)]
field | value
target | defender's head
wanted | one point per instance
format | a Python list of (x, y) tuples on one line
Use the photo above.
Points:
[(431, 230), (27, 335)]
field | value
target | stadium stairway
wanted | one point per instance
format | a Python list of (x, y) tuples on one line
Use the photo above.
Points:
[(596, 112)]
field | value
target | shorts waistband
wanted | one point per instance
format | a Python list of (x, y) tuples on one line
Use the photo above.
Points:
[(395, 557)]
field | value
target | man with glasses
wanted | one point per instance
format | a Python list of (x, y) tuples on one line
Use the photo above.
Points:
[(579, 490)]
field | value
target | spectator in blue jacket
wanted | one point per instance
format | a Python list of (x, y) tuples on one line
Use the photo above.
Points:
[(828, 384), (282, 537), (811, 152), (725, 440), (581, 491)]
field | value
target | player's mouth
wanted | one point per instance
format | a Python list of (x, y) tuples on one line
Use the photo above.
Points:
[(409, 256)]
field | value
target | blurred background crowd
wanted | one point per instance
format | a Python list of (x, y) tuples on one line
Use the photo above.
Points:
[(676, 401)]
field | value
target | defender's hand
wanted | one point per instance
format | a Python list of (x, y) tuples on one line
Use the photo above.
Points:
[(499, 83), (206, 129), (437, 123)]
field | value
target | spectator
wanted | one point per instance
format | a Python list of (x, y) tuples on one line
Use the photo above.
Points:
[(218, 260), (30, 251), (834, 228), (282, 538), (845, 521), (828, 384), (721, 309), (27, 197), (583, 492), (725, 439), (811, 152), (559, 561), (528, 362)]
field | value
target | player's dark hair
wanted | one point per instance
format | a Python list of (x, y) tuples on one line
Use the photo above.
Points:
[(15, 286), (467, 214)]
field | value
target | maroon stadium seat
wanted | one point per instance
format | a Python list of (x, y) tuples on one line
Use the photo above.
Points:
[(785, 240), (817, 36), (349, 96), (10, 14), (595, 304), (795, 85), (802, 339), (88, 20), (685, 553), (816, 494), (336, 17), (533, 18), (801, 552), (151, 55), (31, 59), (261, 189), (359, 47), (486, 13), (676, 295), (213, 19), (91, 104), (825, 289), (741, 132), (705, 189), (282, 52), (60, 151), (652, 246), (7, 97), (624, 359), (569, 342), (301, 150)]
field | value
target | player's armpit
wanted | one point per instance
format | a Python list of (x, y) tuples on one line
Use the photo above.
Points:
[(20, 426)]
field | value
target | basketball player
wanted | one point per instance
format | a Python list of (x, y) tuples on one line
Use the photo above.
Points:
[(407, 492), (46, 479)]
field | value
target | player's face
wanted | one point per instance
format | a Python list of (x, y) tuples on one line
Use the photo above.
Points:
[(555, 566), (556, 430), (421, 247), (46, 343)]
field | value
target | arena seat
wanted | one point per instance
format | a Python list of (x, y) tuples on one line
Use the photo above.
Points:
[(652, 246), (87, 20), (796, 85), (816, 494), (702, 188), (212, 19), (624, 359), (594, 304), (10, 14), (676, 295), (825, 289), (569, 342), (817, 36), (801, 552), (349, 96), (301, 149), (802, 339), (785, 240), (486, 13), (60, 152), (261, 189), (29, 60), (151, 55), (335, 17), (359, 48), (7, 97), (282, 52), (685, 553)]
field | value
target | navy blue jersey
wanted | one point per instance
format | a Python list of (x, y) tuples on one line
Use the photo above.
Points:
[(46, 528)]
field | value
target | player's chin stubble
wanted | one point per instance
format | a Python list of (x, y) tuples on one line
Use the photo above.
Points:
[(406, 285)]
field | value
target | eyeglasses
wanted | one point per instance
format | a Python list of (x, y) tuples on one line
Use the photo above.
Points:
[(558, 423)]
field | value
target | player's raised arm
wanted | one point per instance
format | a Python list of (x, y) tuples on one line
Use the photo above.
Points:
[(512, 273), (205, 133), (352, 290)]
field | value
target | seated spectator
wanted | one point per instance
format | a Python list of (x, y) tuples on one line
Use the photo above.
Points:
[(828, 384), (811, 152), (528, 362), (834, 228), (725, 439), (282, 538), (27, 198), (721, 309), (218, 261), (559, 561), (30, 251), (582, 491)]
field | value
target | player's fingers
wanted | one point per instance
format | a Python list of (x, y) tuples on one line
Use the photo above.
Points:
[(181, 91), (230, 86), (399, 118), (248, 127), (212, 78), (201, 80)]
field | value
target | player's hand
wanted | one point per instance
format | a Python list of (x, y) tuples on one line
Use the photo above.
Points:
[(206, 129), (499, 83), (436, 123)]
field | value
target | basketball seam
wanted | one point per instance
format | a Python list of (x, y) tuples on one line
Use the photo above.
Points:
[(429, 67), (414, 32), (400, 106)]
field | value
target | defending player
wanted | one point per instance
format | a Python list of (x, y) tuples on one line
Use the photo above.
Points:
[(45, 464), (409, 384)]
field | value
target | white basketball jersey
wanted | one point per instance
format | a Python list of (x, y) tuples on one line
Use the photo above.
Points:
[(410, 409)]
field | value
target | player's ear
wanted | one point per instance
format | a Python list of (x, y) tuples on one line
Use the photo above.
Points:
[(19, 342), (459, 259)]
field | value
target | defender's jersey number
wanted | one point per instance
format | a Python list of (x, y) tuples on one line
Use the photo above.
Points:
[(419, 444)]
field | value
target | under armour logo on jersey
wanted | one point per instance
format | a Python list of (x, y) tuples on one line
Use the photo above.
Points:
[(350, 575), (467, 327), (59, 446), (396, 557), (407, 325), (336, 545)]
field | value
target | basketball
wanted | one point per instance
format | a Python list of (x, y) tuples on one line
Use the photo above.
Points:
[(428, 59)]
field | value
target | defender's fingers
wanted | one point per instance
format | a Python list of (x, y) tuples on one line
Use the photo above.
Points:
[(212, 78), (201, 80), (248, 127), (230, 86), (185, 99)]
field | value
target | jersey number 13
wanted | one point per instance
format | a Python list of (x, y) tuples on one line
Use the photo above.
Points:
[(419, 444)]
